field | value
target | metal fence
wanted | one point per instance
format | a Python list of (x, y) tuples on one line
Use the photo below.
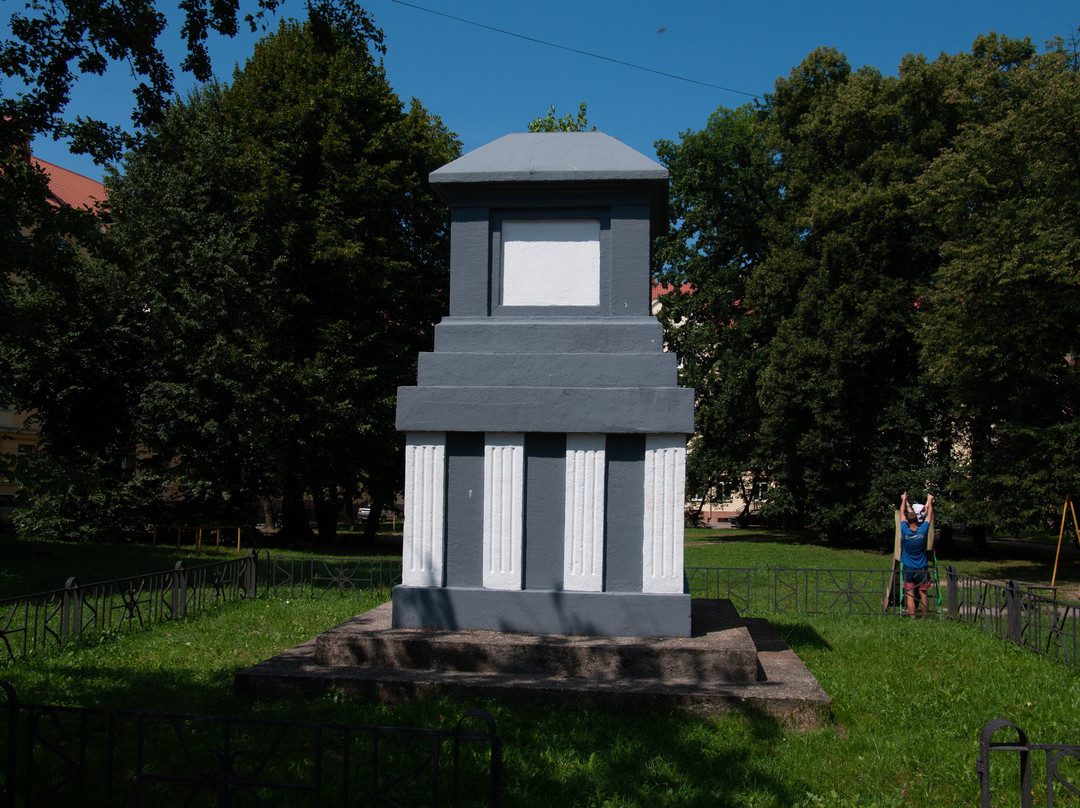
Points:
[(812, 591), (301, 576), (1059, 767), (76, 756), (49, 620), (1020, 613), (1013, 611)]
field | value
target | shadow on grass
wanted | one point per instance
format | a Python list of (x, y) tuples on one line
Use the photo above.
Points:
[(752, 535), (553, 755), (801, 637), (601, 757)]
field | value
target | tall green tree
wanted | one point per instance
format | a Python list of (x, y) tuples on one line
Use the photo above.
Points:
[(50, 46), (793, 227), (845, 413), (722, 191), (294, 261), (1000, 330), (878, 274)]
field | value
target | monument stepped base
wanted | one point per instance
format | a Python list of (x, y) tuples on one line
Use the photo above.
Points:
[(727, 663)]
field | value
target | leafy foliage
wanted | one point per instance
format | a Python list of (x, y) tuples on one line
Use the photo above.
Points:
[(274, 263), (869, 285), (567, 123), (293, 262)]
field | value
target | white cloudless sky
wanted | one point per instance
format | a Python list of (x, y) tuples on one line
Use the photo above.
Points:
[(484, 83)]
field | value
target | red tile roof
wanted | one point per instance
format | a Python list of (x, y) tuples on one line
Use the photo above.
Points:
[(71, 188), (659, 289)]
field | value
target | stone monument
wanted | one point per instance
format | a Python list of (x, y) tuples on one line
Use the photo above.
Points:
[(546, 434)]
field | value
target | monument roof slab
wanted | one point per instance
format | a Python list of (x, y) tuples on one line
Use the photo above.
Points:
[(551, 157)]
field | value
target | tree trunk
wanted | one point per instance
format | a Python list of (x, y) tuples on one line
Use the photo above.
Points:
[(267, 508), (327, 508), (371, 526), (294, 518)]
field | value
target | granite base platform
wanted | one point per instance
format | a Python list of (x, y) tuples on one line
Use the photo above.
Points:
[(728, 663)]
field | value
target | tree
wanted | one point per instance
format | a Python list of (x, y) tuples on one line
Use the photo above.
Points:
[(294, 261), (62, 316), (874, 279), (800, 248), (1000, 328), (58, 41), (844, 414), (52, 43), (720, 195), (567, 123)]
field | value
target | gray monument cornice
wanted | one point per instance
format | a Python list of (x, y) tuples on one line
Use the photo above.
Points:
[(537, 157)]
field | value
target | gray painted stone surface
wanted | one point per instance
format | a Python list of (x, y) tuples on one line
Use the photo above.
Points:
[(545, 496), (548, 369), (617, 614), (464, 508), (550, 157), (612, 335), (625, 504), (545, 409)]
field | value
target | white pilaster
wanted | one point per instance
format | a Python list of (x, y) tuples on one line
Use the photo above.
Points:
[(424, 539), (665, 483), (504, 509), (583, 531)]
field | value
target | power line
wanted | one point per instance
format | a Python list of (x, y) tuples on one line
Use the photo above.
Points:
[(573, 50)]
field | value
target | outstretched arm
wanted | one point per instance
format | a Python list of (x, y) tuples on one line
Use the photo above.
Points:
[(929, 507), (903, 507)]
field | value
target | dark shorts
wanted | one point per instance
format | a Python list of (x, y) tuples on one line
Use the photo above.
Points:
[(917, 579)]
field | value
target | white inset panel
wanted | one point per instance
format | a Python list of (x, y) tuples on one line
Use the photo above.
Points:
[(504, 509), (583, 527), (665, 484), (551, 262), (424, 539)]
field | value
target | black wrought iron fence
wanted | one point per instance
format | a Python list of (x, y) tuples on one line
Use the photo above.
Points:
[(813, 591), (1046, 624), (77, 756), (1059, 768), (302, 576), (45, 621), (48, 620)]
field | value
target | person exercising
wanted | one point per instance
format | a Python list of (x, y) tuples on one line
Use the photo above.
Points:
[(913, 536)]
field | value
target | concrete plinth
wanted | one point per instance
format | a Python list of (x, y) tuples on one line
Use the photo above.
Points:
[(727, 663)]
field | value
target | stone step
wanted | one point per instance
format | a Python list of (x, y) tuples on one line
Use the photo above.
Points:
[(398, 685), (781, 684), (728, 656)]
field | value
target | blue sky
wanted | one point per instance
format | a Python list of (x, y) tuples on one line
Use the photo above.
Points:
[(484, 83)]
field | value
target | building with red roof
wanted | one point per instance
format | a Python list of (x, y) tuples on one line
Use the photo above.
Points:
[(69, 188)]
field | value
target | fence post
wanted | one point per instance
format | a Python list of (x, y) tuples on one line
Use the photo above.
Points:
[(69, 608), (952, 592), (1012, 611), (251, 573), (982, 766), (178, 602)]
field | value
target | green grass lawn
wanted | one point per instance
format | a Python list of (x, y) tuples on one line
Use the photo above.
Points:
[(909, 699), (31, 565)]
